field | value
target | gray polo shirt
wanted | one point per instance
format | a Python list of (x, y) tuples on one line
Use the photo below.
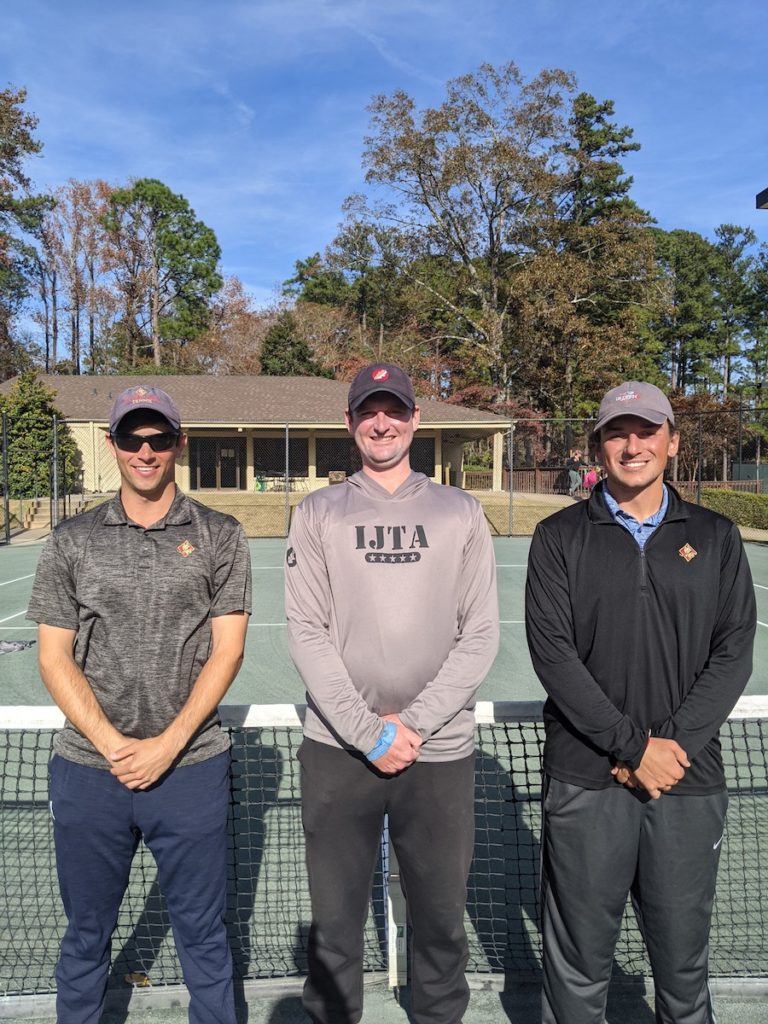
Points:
[(141, 600)]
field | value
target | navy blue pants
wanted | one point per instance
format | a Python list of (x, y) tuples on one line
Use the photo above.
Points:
[(431, 824), (98, 823)]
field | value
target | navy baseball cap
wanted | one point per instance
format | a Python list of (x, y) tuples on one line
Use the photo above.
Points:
[(143, 397), (381, 377), (634, 398)]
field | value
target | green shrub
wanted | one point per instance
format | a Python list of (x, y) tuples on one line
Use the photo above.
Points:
[(743, 509)]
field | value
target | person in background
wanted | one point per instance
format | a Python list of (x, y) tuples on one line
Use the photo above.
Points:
[(574, 466)]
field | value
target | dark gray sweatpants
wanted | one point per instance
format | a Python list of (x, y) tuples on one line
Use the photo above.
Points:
[(597, 847), (431, 825)]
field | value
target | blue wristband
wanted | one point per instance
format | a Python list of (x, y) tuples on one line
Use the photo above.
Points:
[(386, 740)]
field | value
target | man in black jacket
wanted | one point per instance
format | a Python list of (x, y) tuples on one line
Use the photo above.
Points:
[(640, 619)]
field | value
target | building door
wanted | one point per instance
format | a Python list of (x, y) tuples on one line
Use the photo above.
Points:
[(217, 463)]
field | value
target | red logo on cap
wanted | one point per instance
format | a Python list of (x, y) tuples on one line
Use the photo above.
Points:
[(380, 374)]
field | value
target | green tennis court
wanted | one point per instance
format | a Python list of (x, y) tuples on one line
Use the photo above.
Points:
[(268, 904), (268, 676)]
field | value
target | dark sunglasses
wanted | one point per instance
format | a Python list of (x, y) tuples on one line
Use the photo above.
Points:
[(134, 442)]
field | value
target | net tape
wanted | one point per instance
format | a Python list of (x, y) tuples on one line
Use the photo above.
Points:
[(268, 902)]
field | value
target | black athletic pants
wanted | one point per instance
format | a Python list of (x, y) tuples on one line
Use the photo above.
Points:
[(598, 846), (431, 825)]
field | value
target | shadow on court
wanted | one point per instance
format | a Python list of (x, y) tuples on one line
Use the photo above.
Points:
[(503, 892)]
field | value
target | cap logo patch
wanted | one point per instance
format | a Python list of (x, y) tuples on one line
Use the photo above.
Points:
[(185, 549), (687, 552), (627, 397), (380, 374)]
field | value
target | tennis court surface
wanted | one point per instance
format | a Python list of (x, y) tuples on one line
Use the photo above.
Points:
[(268, 902)]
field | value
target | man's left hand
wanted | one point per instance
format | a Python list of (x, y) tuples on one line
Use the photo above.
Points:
[(140, 763)]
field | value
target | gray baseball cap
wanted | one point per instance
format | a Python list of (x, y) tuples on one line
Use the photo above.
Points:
[(634, 398), (144, 397)]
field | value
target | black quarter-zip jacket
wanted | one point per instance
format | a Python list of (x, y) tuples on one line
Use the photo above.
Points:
[(628, 642)]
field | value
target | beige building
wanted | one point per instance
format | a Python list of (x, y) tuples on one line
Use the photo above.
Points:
[(266, 434)]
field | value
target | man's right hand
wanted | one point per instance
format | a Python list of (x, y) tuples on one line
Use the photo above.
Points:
[(403, 750), (661, 767)]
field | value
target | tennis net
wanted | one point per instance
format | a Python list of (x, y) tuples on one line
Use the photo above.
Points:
[(268, 902)]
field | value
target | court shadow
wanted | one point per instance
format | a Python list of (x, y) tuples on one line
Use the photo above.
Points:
[(626, 1000), (503, 895), (288, 1010), (254, 786), (503, 881)]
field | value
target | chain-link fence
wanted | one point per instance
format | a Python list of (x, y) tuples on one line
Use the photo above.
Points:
[(533, 467)]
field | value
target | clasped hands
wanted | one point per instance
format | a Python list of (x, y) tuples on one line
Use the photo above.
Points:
[(403, 751), (661, 767), (140, 763)]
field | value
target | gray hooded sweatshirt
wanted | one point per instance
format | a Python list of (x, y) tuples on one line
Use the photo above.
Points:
[(392, 608)]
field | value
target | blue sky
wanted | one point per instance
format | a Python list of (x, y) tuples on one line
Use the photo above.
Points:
[(256, 111)]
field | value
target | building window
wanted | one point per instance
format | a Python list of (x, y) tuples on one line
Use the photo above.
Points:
[(269, 456), (340, 454), (336, 454), (217, 463), (423, 455)]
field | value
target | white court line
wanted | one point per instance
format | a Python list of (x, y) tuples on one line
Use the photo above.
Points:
[(15, 629), (18, 578), (14, 616), (499, 565), (267, 625), (759, 586), (762, 623)]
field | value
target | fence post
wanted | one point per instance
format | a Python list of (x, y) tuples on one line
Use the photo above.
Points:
[(6, 499), (55, 474), (287, 480), (699, 459), (511, 463)]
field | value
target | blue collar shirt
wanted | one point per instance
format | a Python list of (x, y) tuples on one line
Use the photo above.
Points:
[(640, 531)]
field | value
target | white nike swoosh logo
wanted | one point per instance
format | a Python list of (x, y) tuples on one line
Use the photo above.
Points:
[(715, 845)]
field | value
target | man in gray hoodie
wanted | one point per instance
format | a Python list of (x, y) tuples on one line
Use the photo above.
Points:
[(393, 625)]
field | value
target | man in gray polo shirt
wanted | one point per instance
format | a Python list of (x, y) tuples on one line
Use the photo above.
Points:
[(142, 605)]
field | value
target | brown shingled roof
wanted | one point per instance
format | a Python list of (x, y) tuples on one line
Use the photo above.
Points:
[(242, 401)]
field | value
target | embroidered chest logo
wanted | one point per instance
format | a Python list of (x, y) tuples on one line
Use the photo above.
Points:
[(687, 552), (185, 549), (392, 545)]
